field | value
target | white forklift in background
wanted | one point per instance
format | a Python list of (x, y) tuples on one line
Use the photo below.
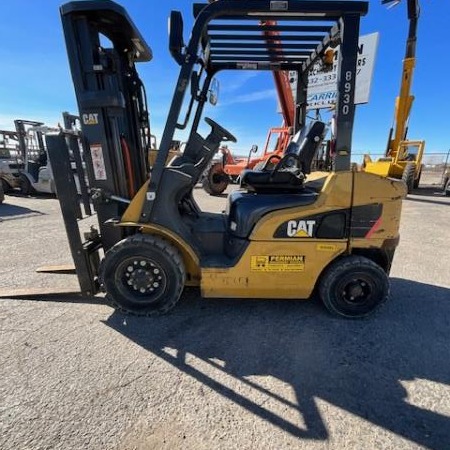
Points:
[(36, 175), (11, 162)]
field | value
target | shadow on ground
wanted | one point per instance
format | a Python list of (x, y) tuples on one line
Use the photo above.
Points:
[(357, 366), (433, 194), (11, 212)]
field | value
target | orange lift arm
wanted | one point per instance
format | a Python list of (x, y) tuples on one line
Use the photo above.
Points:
[(282, 84)]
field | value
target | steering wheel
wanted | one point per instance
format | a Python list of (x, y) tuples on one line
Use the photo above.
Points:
[(226, 135)]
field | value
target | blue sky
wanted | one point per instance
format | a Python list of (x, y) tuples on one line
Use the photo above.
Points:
[(35, 81)]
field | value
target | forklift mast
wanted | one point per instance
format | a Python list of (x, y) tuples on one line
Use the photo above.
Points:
[(108, 161), (26, 150), (103, 46)]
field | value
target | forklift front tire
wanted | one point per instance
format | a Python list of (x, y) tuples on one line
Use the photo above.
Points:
[(26, 187), (143, 275), (354, 287)]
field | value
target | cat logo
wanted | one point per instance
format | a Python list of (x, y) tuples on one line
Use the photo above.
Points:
[(300, 228), (90, 119)]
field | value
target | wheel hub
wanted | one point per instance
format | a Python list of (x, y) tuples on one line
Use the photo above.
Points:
[(143, 276), (356, 291)]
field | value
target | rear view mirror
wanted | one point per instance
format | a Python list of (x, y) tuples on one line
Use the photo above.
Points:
[(176, 42), (254, 148), (214, 92)]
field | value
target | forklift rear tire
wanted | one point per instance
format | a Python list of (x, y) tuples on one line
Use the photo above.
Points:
[(408, 177), (354, 287), (215, 181), (143, 275)]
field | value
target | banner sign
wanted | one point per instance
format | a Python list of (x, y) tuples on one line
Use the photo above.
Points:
[(322, 86)]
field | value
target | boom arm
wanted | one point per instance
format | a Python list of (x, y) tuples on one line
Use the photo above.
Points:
[(405, 100), (282, 84)]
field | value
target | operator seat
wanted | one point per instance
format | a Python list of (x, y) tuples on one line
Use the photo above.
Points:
[(269, 191), (296, 162)]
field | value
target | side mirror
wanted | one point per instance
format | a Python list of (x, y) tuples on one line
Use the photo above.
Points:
[(214, 92), (254, 148), (176, 42)]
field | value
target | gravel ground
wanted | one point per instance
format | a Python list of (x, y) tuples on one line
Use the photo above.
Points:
[(224, 374)]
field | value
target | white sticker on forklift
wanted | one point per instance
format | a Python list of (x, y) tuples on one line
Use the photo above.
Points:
[(98, 162), (247, 66), (279, 5), (326, 247), (277, 263)]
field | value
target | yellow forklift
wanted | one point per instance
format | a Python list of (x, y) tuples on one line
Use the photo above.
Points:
[(403, 157), (286, 233)]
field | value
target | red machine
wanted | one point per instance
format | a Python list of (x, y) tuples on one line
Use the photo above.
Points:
[(217, 177)]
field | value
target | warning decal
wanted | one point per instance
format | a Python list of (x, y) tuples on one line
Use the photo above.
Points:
[(277, 263), (98, 162)]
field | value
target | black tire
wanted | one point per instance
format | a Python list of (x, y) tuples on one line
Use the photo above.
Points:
[(215, 180), (447, 187), (5, 186), (354, 287), (2, 194), (143, 275), (408, 177), (26, 187), (417, 180)]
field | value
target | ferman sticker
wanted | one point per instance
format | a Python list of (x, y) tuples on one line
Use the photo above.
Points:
[(98, 162), (300, 228), (277, 263), (90, 119)]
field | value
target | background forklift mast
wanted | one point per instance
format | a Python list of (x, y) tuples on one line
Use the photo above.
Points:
[(31, 145)]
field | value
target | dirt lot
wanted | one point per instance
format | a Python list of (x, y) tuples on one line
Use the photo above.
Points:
[(224, 374)]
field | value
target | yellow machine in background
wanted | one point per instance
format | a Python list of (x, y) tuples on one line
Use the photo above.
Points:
[(403, 157)]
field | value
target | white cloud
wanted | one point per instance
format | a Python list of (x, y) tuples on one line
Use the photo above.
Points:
[(266, 94), (238, 80)]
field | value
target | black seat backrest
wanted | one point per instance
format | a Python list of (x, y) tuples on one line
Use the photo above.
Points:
[(306, 143)]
